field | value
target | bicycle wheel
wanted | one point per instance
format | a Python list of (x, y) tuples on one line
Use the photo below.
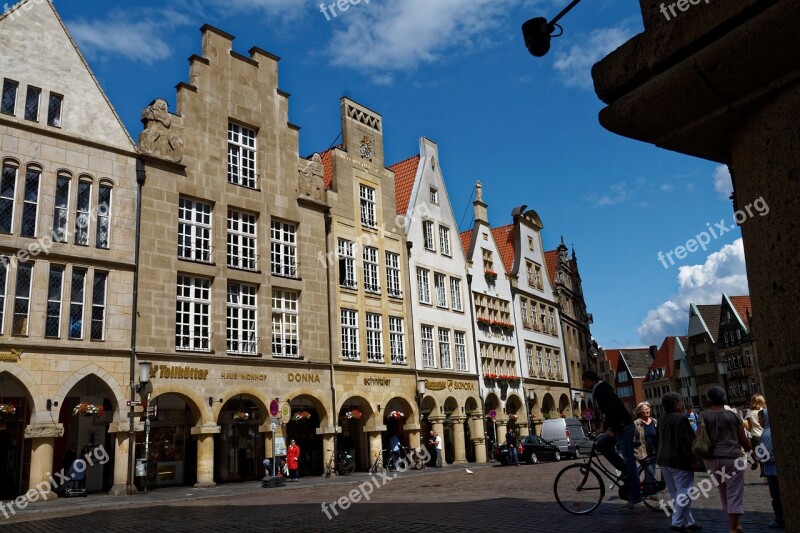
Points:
[(654, 491), (348, 466), (578, 489)]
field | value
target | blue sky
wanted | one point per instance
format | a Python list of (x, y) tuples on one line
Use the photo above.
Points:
[(457, 71)]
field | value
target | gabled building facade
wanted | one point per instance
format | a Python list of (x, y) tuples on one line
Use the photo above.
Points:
[(737, 350), (444, 346), (702, 349), (659, 376)]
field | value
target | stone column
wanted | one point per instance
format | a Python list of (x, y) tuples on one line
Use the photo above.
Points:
[(266, 430), (437, 422), (205, 455), (523, 428), (43, 438), (413, 432), (459, 452), (328, 443), (501, 427), (478, 437), (121, 444), (375, 445)]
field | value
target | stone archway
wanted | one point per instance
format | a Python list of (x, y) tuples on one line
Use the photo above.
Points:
[(16, 406), (307, 417), (239, 446), (564, 406), (549, 407), (361, 430), (181, 443)]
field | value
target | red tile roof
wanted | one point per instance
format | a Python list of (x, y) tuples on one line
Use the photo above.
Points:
[(551, 260), (612, 356), (504, 237), (664, 357), (742, 306), (327, 165), (466, 238), (404, 174)]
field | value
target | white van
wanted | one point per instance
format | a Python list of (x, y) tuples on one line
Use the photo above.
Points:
[(567, 434)]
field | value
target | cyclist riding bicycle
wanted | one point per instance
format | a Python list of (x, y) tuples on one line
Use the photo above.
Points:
[(394, 448)]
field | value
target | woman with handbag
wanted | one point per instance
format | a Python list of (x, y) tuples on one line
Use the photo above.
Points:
[(725, 433)]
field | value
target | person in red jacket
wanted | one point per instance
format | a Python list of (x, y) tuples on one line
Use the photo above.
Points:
[(292, 460)]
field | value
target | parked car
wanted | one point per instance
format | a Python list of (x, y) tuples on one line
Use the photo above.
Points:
[(500, 453), (536, 448), (568, 435)]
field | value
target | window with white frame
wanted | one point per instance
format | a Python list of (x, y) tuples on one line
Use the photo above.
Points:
[(461, 350), (367, 197), (285, 324), (548, 362), (539, 362), (54, 110), (350, 335), (192, 315), (55, 292), (434, 196), (393, 285), (241, 319), (241, 155), (8, 101), (82, 215), (61, 208), (537, 276), (428, 352), (98, 326), (22, 298), (8, 185), (30, 205), (374, 338), (440, 283), (397, 340), (523, 305), (103, 216), (529, 272), (552, 321), (557, 362), (76, 302), (529, 355), (32, 99), (444, 348), (427, 231), (423, 285), (242, 240), (347, 264), (455, 294), (284, 249), (444, 240), (3, 288), (194, 230), (371, 267)]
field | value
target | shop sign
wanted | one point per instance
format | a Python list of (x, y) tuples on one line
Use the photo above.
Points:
[(244, 376), (303, 378), (177, 372), (11, 357), (380, 382), (449, 385)]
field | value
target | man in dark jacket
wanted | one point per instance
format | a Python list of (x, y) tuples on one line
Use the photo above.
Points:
[(618, 428), (511, 441)]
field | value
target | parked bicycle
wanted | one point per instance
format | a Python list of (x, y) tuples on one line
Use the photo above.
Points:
[(340, 464), (414, 458), (579, 488), (378, 465)]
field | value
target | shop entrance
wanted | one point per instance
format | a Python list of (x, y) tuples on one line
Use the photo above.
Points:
[(173, 450), (15, 450), (302, 427), (239, 447), (352, 417)]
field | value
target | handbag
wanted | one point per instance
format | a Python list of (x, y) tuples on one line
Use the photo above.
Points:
[(701, 446)]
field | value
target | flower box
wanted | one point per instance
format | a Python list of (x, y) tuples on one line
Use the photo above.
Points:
[(490, 275), (354, 414), (7, 409), (88, 409), (395, 414), (241, 416)]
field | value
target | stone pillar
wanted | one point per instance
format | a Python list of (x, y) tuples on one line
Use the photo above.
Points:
[(375, 446), (459, 452), (478, 437), (437, 422), (328, 443), (523, 428), (121, 444), (205, 455), (501, 427), (413, 432), (266, 430), (43, 438)]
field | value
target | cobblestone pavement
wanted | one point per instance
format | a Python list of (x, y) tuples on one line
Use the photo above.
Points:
[(494, 498)]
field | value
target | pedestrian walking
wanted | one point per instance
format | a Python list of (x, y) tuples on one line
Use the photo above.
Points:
[(437, 441), (293, 460), (751, 424), (511, 441), (770, 467), (646, 439)]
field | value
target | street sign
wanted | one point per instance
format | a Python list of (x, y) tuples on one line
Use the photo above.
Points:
[(134, 403), (286, 412), (274, 407)]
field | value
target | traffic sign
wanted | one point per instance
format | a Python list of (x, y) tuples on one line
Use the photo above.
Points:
[(274, 407)]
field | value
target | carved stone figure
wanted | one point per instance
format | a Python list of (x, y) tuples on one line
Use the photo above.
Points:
[(479, 191), (310, 179), (158, 138)]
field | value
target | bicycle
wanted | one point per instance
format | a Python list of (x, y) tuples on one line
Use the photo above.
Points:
[(378, 465), (490, 451), (414, 458), (579, 488), (340, 464)]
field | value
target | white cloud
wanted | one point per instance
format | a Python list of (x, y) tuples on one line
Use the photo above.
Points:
[(136, 35), (616, 194), (575, 65), (282, 9), (722, 182), (723, 271)]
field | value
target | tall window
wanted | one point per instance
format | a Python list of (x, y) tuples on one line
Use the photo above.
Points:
[(8, 184), (374, 338), (423, 285), (242, 240), (523, 305), (434, 196), (537, 276), (427, 231), (22, 298), (444, 348), (32, 99), (557, 363), (371, 279), (548, 362), (192, 316), (54, 110), (82, 219), (285, 324), (539, 363), (488, 260), (529, 354), (241, 314), (284, 249), (367, 196), (194, 230), (241, 156), (440, 283), (397, 340), (99, 306), (61, 209), (444, 240), (55, 289), (8, 101), (455, 294), (30, 206), (428, 353), (350, 335), (347, 264), (529, 271), (461, 350), (393, 287), (552, 321), (103, 216), (76, 302)]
